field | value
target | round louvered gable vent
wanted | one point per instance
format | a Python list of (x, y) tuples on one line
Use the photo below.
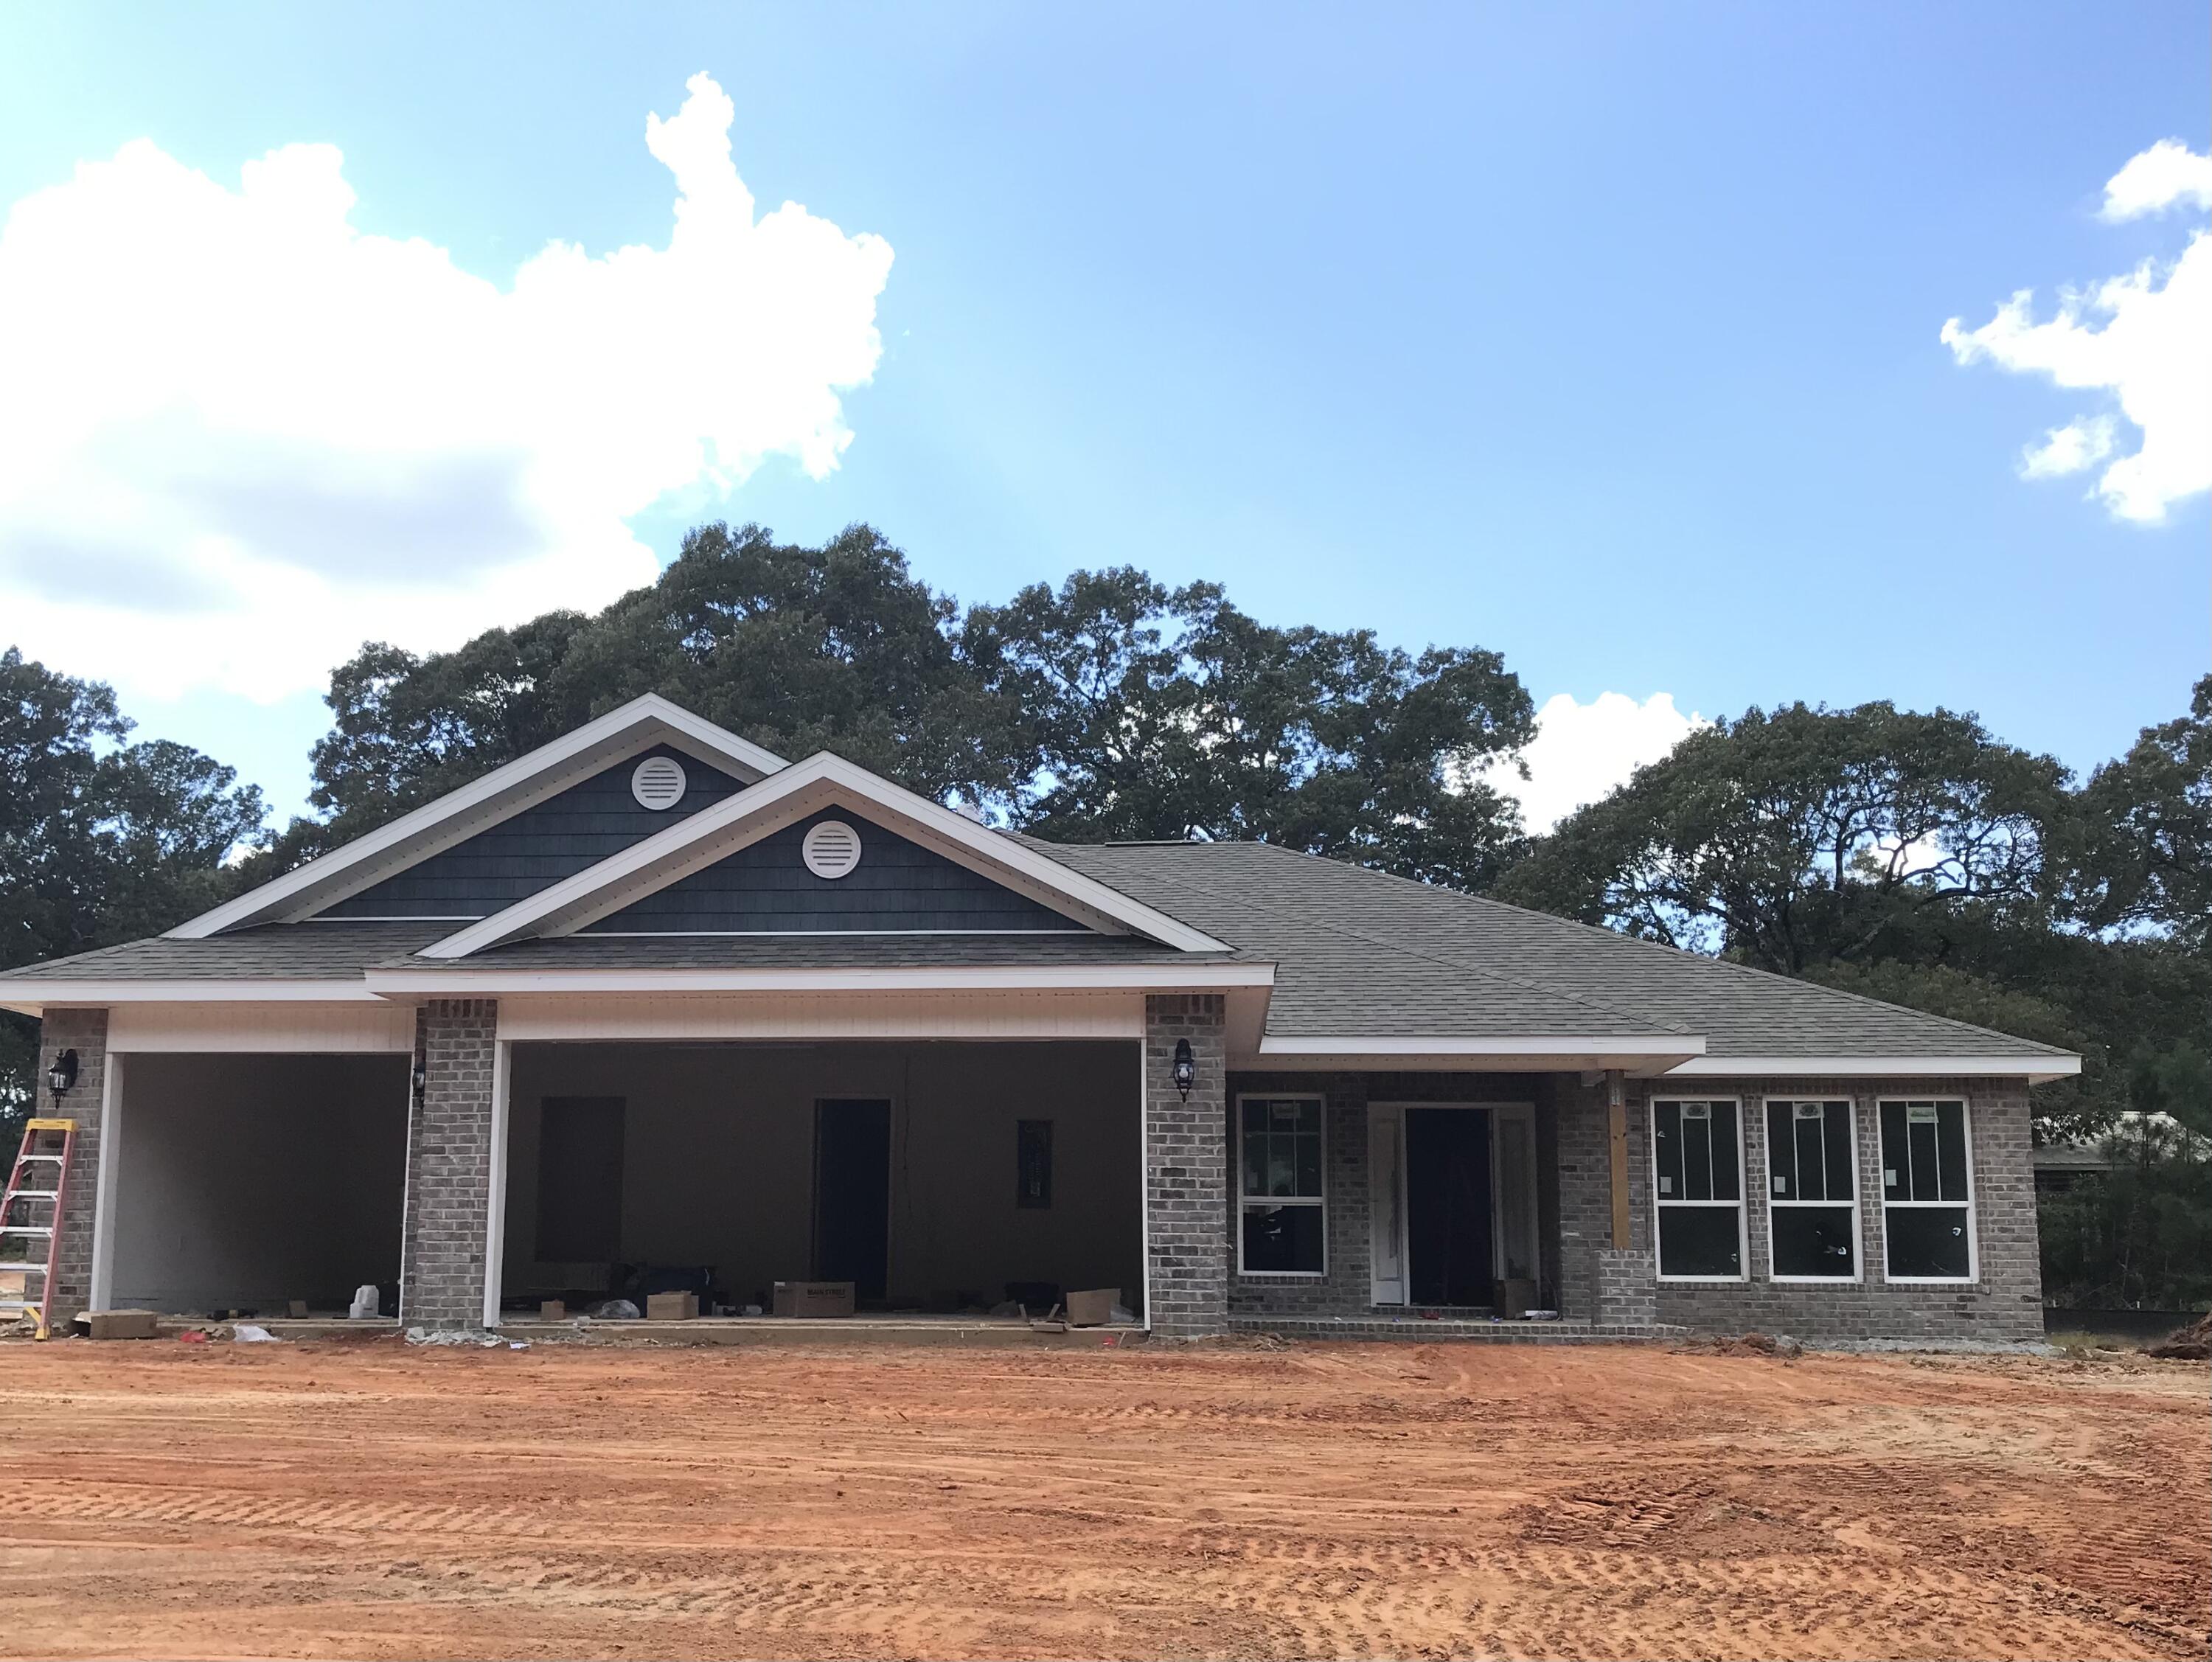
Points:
[(658, 782), (831, 850)]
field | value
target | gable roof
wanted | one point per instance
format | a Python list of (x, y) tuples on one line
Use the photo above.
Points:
[(821, 781), (634, 727), (1324, 965)]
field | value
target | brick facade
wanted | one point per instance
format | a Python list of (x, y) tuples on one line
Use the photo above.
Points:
[(1186, 1168), (84, 1032), (2004, 1300), (450, 1165)]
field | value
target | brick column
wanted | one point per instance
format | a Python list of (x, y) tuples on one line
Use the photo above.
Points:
[(449, 1165), (84, 1032), (1186, 1219), (1599, 1281)]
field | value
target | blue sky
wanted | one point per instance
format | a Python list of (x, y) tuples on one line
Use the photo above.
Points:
[(1605, 336)]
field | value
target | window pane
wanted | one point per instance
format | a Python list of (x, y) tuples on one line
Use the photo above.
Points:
[(1920, 1137), (1951, 1150), (1306, 1118), (1282, 1239), (1928, 1240), (1699, 1240), (1255, 1116), (1781, 1149), (1697, 1158), (1895, 1163), (1309, 1151), (1667, 1123), (1813, 1240), (1841, 1159), (1282, 1157), (1728, 1164), (1810, 1156), (1255, 1163)]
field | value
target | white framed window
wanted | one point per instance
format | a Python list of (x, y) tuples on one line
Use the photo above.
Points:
[(1697, 1165), (1927, 1190), (1282, 1208), (1812, 1191)]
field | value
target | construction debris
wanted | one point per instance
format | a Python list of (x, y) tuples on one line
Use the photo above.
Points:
[(2192, 1343)]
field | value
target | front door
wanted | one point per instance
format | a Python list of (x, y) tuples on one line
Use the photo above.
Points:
[(1448, 1210), (853, 1194), (1453, 1201)]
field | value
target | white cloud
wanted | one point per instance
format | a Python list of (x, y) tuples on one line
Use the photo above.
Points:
[(1580, 751), (237, 437), (2146, 338), (2168, 173)]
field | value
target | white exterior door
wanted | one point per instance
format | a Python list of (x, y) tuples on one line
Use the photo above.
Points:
[(1386, 1196)]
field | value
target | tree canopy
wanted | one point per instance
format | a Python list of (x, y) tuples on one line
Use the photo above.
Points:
[(101, 840)]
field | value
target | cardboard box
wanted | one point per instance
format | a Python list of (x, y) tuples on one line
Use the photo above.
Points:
[(1514, 1300), (813, 1299), (671, 1306), (122, 1324), (553, 1310), (1092, 1309)]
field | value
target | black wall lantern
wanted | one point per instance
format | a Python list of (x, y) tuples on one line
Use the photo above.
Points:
[(62, 1073), (421, 1078), (1185, 1069)]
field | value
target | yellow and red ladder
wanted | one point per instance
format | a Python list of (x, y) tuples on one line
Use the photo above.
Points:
[(41, 1178)]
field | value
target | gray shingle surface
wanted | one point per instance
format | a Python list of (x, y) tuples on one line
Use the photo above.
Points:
[(1360, 952), (270, 952), (1356, 954)]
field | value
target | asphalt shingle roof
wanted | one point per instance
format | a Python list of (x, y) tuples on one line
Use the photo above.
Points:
[(1355, 954), (1360, 952)]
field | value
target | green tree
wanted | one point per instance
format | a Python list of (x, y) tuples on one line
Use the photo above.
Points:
[(2148, 862), (101, 840), (1809, 837), (1148, 713)]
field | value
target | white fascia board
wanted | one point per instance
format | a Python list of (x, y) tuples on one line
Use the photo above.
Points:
[(1639, 1064), (500, 795), (2035, 1068), (29, 997), (800, 789), (468, 981), (1678, 1044)]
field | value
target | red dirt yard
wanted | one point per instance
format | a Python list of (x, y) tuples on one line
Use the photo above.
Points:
[(364, 1499)]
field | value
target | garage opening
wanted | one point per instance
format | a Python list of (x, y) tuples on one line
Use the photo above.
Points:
[(248, 1182), (945, 1177)]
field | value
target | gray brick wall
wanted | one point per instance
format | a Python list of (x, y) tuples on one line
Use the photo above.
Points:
[(1186, 1168), (2005, 1300), (1346, 1284), (84, 1032), (449, 1165)]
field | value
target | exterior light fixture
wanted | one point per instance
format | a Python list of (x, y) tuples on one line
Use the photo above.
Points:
[(62, 1073), (1185, 1069), (419, 1078)]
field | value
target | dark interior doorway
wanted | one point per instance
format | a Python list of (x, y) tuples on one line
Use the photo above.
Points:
[(853, 1194), (1448, 1205), (579, 1180)]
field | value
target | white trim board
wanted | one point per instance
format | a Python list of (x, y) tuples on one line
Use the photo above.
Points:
[(500, 795), (810, 1017), (31, 996), (375, 1028), (2035, 1068), (1275, 1044), (471, 981), (804, 789)]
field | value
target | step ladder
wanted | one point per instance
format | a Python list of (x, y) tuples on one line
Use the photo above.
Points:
[(41, 1179)]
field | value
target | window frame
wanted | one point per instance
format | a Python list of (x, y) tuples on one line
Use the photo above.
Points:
[(1742, 1201), (1973, 1227), (1857, 1277), (1245, 1202)]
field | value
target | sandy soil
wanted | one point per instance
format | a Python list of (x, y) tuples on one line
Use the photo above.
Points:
[(365, 1499)]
